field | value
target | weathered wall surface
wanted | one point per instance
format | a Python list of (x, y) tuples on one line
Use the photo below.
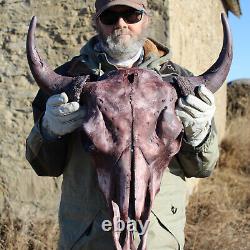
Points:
[(196, 38), (63, 26)]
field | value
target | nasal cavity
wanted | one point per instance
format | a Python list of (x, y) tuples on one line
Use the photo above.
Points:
[(131, 78)]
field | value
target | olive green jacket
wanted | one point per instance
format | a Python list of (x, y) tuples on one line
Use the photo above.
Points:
[(82, 207)]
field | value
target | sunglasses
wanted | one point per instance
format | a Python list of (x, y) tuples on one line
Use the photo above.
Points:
[(109, 17)]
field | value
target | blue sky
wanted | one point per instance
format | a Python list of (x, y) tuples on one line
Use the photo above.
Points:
[(241, 43)]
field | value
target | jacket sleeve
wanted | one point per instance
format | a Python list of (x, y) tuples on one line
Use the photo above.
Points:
[(195, 161), (199, 161), (47, 157)]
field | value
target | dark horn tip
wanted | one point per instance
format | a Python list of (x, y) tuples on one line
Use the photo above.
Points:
[(33, 23), (34, 19)]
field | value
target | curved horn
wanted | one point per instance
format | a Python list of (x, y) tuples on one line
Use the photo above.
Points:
[(47, 79), (215, 76)]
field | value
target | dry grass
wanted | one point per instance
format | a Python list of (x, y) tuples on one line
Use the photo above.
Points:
[(218, 216), (33, 235)]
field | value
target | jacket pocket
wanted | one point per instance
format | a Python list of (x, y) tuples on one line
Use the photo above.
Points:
[(169, 206), (94, 237), (79, 243)]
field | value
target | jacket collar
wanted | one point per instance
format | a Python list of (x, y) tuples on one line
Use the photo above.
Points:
[(154, 55)]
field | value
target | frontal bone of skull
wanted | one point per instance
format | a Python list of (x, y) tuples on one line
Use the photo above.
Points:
[(130, 158)]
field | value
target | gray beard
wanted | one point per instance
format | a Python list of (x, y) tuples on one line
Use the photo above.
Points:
[(117, 49)]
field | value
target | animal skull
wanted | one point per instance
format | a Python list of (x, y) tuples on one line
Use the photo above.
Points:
[(132, 125)]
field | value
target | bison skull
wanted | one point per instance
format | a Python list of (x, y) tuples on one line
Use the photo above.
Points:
[(132, 126)]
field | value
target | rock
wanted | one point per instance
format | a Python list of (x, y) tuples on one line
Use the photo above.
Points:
[(238, 99)]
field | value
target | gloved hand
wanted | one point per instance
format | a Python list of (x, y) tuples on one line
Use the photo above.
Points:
[(61, 117), (196, 114)]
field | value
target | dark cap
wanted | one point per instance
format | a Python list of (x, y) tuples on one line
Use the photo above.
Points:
[(101, 5)]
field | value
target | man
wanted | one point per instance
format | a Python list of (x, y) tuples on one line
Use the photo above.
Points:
[(54, 145)]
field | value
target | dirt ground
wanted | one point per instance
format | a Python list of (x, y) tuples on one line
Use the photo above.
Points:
[(218, 215)]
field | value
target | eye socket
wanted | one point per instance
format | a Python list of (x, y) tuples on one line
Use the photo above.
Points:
[(131, 78), (168, 126)]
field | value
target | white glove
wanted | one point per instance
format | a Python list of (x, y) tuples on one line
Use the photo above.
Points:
[(61, 117), (196, 114)]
